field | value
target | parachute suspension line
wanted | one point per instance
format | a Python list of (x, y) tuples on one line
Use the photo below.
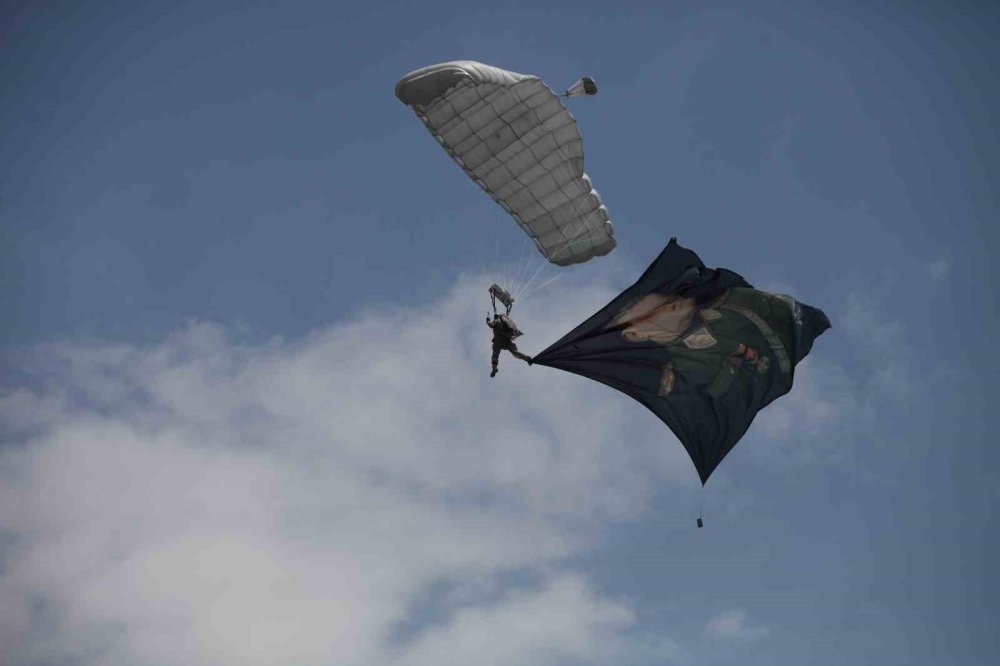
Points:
[(488, 272), (526, 287), (509, 277), (499, 274), (501, 268), (523, 280), (509, 269), (539, 287), (567, 244), (496, 251), (529, 271), (701, 510), (534, 275), (522, 262), (523, 266), (580, 230), (530, 256), (481, 251)]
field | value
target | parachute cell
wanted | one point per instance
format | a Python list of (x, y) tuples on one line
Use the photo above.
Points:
[(514, 138), (699, 347)]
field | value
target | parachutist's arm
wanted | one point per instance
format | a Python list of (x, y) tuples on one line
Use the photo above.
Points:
[(488, 322)]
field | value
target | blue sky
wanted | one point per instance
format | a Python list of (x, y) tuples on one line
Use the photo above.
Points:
[(245, 400)]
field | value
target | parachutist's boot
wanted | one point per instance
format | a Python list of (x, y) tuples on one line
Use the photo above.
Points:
[(495, 370)]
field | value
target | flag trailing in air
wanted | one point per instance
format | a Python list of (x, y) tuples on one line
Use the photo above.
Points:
[(699, 347)]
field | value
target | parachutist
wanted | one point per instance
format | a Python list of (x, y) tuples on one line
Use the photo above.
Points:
[(504, 332)]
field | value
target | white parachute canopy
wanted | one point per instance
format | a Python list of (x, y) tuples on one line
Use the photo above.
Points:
[(514, 137)]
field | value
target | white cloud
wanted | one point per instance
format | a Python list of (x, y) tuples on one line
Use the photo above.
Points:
[(732, 625), (880, 341), (832, 413), (938, 270), (795, 430), (207, 501), (563, 620)]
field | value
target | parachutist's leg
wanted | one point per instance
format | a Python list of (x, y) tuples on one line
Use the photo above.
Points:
[(512, 348), (495, 359)]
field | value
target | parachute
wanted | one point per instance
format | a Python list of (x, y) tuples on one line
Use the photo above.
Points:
[(700, 348), (515, 138)]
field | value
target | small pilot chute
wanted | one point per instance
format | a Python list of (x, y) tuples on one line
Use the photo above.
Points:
[(584, 86)]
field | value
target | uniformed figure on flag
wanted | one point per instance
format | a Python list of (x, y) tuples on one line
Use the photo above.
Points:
[(718, 339)]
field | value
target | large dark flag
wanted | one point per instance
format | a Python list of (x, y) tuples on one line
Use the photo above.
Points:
[(700, 347)]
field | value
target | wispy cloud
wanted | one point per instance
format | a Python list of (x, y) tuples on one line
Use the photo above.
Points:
[(562, 620), (733, 625), (938, 270), (831, 414), (207, 501), (881, 343)]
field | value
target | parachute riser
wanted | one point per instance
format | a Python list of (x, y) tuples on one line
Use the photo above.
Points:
[(498, 293)]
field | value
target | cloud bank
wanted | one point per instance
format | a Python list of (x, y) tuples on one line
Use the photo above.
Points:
[(209, 500), (205, 500), (732, 625)]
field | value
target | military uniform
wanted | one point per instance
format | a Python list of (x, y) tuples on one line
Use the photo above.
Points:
[(504, 332), (741, 345)]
